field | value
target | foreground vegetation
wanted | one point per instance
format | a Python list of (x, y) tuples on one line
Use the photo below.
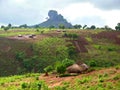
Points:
[(54, 51), (105, 79)]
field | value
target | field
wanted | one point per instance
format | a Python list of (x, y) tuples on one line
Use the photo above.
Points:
[(99, 49)]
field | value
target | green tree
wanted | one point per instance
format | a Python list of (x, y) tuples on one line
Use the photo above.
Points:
[(61, 26), (117, 27), (93, 27), (51, 49), (6, 28), (23, 26), (48, 69), (85, 26), (67, 62), (9, 25), (77, 26), (2, 26), (51, 27), (60, 68)]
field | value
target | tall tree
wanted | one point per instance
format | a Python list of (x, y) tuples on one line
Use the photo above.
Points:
[(117, 27), (77, 26), (93, 27), (85, 26), (9, 25)]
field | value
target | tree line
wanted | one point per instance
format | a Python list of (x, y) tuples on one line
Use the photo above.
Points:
[(62, 26)]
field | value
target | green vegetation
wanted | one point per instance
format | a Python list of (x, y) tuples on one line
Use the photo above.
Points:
[(55, 51), (98, 80)]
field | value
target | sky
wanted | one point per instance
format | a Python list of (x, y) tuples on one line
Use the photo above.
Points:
[(89, 12)]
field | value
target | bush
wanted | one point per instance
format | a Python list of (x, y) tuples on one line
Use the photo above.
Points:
[(117, 77), (67, 62), (92, 63), (60, 68), (20, 56), (48, 68), (24, 85)]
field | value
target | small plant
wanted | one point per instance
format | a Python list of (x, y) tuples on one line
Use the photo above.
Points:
[(37, 78), (42, 32), (117, 77), (37, 30), (60, 88), (101, 80), (92, 63), (117, 67), (83, 80), (24, 85)]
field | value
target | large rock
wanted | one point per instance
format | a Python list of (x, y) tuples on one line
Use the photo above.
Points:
[(76, 68), (55, 20)]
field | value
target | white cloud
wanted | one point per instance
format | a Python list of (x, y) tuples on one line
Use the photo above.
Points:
[(78, 11), (75, 11)]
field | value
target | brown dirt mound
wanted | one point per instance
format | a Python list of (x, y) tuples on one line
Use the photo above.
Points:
[(80, 44), (110, 35)]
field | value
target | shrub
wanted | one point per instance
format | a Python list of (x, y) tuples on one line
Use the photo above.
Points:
[(20, 56), (24, 85), (48, 68), (60, 68), (117, 77), (111, 49), (67, 62), (101, 80), (92, 63)]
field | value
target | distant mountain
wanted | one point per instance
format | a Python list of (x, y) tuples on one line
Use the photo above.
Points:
[(55, 20)]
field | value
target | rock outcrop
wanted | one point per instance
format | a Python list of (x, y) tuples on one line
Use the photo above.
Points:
[(55, 20)]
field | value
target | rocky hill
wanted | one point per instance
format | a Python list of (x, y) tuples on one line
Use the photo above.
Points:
[(55, 20)]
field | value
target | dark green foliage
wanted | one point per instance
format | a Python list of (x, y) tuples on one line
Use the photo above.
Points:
[(60, 88), (92, 63), (24, 85), (2, 26), (85, 26), (42, 32), (117, 27), (37, 85), (77, 26), (51, 49), (20, 56), (34, 64), (61, 26), (23, 26), (67, 62), (117, 77), (93, 27), (6, 28), (71, 35), (111, 49), (9, 25), (72, 51), (48, 68), (51, 27), (101, 63), (37, 30), (60, 68)]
